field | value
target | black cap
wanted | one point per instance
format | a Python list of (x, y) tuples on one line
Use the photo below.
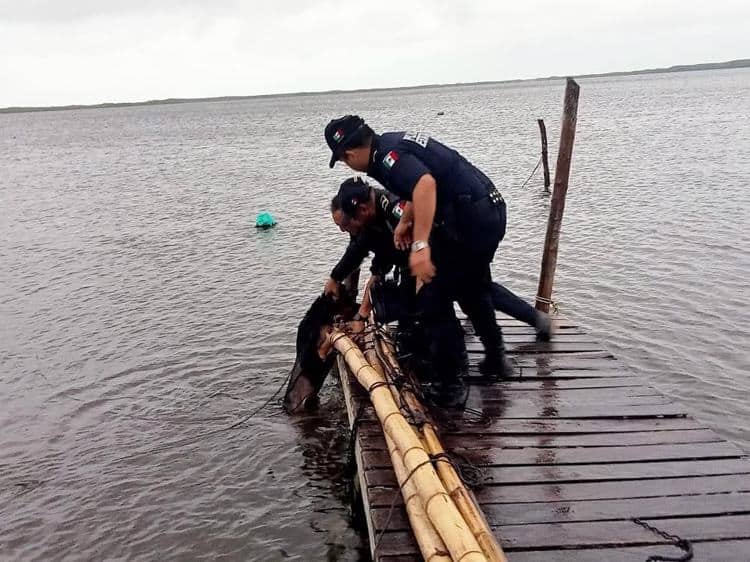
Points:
[(352, 193), (341, 134)]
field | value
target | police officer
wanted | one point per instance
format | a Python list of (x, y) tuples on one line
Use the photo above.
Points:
[(370, 216), (452, 259)]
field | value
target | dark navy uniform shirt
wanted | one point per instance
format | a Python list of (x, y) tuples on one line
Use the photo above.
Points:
[(376, 237), (399, 160)]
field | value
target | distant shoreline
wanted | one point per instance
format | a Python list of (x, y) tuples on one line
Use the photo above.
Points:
[(738, 63)]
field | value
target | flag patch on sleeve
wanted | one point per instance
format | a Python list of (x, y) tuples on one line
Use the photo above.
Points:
[(398, 209), (390, 159)]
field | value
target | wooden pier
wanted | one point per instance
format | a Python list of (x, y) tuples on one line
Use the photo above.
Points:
[(573, 449)]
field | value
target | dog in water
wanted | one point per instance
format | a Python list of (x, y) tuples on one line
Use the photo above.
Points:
[(314, 358)]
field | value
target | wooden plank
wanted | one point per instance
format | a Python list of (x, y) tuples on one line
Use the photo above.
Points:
[(594, 358), (529, 373), (560, 322), (556, 346), (577, 491), (537, 400), (571, 411), (573, 367), (592, 510), (523, 329), (519, 337), (590, 472), (596, 534), (578, 455), (375, 441), (462, 422), (347, 385), (717, 551), (551, 384), (540, 392), (613, 533)]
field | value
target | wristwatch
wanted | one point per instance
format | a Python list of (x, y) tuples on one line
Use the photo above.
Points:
[(418, 245)]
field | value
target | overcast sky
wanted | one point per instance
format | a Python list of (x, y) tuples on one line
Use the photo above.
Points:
[(55, 52)]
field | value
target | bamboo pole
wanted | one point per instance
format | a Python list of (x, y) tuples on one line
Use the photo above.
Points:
[(463, 497), (440, 509), (430, 544), (557, 206)]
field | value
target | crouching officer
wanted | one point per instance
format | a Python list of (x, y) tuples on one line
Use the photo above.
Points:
[(370, 216), (452, 259)]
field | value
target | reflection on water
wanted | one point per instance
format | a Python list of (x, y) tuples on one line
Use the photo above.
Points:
[(141, 308)]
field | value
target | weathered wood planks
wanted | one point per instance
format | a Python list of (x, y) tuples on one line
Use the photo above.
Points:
[(573, 447)]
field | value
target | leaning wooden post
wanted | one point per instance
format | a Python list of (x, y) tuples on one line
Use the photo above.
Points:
[(545, 159), (557, 206)]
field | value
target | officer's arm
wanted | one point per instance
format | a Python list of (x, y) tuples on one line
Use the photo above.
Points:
[(424, 199), (408, 214), (402, 234), (355, 254)]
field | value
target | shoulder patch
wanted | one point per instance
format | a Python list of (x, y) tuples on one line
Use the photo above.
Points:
[(390, 159), (398, 209), (418, 138)]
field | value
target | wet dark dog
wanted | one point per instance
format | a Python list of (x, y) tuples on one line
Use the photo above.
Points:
[(314, 358)]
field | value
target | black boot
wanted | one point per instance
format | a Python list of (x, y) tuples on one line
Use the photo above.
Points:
[(496, 366), (449, 393)]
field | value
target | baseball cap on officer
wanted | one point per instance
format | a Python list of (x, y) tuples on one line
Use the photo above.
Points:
[(352, 193), (342, 133)]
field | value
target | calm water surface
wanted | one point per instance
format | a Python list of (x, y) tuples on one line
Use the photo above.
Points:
[(140, 308)]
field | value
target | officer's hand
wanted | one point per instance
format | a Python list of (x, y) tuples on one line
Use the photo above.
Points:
[(402, 237), (421, 265), (357, 326), (331, 287)]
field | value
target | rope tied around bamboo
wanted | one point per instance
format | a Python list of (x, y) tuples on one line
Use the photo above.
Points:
[(450, 474), (438, 505)]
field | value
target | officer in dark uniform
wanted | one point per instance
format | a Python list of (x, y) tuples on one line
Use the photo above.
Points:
[(452, 259), (371, 216)]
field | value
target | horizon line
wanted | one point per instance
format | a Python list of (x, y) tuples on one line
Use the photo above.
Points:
[(735, 63)]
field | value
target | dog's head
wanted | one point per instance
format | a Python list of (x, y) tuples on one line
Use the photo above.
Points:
[(314, 359)]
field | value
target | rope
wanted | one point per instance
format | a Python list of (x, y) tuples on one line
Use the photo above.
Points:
[(679, 542), (440, 457), (191, 440), (539, 162), (555, 306), (396, 494), (471, 474), (378, 384)]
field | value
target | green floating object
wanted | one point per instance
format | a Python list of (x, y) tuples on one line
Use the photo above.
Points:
[(265, 220)]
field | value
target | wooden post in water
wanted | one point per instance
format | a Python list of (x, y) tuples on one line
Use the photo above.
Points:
[(557, 206), (545, 159)]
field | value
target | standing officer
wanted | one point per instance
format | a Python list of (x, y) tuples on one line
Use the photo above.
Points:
[(452, 259), (371, 216)]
